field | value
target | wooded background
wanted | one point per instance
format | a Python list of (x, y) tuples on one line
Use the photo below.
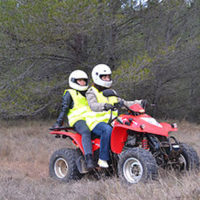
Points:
[(152, 48)]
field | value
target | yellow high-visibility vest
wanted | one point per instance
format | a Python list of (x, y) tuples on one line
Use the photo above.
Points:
[(79, 109), (93, 118)]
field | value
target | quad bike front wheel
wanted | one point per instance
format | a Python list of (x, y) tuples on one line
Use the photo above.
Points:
[(137, 165), (189, 159), (62, 165)]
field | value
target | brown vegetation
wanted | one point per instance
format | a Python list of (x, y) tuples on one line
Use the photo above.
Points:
[(25, 149)]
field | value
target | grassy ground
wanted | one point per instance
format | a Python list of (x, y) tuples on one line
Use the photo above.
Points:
[(25, 149)]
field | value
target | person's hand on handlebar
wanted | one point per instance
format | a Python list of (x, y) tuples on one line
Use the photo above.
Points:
[(119, 104), (108, 106)]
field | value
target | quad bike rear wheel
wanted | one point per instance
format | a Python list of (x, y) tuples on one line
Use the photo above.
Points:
[(189, 158), (63, 166), (137, 165)]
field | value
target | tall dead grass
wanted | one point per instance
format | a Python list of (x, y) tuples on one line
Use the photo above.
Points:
[(25, 149)]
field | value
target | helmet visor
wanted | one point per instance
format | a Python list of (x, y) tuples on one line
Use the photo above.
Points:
[(105, 77)]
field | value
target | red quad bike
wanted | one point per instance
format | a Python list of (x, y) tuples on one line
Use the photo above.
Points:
[(139, 145)]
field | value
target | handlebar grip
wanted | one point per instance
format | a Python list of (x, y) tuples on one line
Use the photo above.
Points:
[(119, 104), (61, 128)]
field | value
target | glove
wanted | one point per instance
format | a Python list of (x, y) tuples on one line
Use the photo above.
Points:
[(144, 103), (56, 125), (108, 106), (119, 104)]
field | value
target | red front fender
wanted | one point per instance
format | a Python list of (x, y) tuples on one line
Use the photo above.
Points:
[(118, 138), (119, 135)]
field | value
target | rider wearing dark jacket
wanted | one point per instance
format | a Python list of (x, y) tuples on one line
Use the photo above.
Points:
[(74, 108)]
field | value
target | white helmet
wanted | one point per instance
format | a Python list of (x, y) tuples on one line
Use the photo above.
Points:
[(78, 74), (98, 71)]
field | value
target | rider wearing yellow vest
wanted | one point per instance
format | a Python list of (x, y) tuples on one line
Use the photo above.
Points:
[(103, 116), (79, 109), (102, 106), (74, 108)]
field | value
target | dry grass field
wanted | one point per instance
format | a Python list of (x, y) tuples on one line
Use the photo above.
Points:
[(25, 149)]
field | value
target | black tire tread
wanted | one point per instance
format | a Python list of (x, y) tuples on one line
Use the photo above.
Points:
[(191, 157), (147, 160), (70, 155)]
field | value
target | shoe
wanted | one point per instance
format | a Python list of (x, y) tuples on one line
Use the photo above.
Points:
[(89, 161), (103, 163)]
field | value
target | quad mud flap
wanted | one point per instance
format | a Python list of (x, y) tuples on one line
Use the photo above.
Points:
[(81, 165)]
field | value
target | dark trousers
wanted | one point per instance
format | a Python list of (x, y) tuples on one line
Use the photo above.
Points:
[(82, 128)]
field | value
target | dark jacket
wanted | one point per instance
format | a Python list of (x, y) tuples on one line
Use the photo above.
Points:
[(67, 103)]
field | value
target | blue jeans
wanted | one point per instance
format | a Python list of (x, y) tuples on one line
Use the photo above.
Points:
[(82, 128), (104, 131)]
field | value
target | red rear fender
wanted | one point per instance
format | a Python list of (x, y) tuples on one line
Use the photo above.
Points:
[(77, 139)]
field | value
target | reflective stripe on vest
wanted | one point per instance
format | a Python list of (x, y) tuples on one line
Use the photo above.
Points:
[(79, 109), (93, 118)]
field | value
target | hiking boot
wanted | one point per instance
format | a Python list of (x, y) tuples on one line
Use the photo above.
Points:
[(89, 161), (103, 163)]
